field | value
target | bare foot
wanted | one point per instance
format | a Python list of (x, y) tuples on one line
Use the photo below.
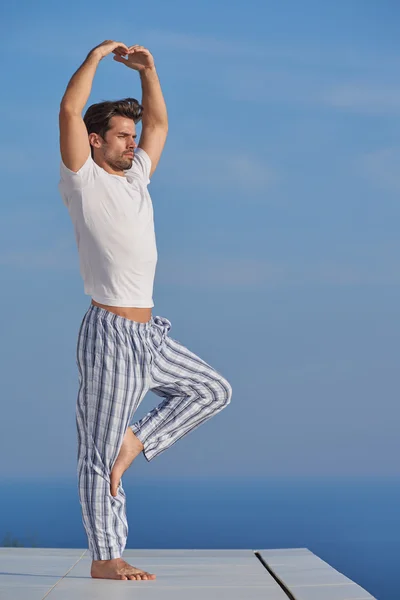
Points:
[(130, 449), (117, 568)]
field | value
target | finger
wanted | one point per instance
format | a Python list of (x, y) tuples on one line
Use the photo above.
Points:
[(120, 59), (120, 47), (140, 51)]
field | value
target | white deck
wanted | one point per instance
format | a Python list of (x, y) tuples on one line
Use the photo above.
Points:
[(64, 574)]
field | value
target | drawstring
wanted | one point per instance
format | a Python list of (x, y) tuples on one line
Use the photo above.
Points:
[(162, 326)]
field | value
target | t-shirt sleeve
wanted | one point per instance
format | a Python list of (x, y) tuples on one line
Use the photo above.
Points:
[(72, 181), (141, 166), (80, 178)]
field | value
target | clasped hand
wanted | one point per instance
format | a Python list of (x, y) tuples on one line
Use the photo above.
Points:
[(138, 57)]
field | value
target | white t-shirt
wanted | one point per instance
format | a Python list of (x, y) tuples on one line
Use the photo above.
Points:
[(114, 230)]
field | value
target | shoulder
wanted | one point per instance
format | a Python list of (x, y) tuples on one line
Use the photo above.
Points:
[(141, 166), (80, 178)]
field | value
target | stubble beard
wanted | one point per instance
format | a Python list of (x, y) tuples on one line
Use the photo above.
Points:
[(121, 163)]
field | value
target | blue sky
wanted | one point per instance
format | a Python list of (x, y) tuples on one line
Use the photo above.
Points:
[(276, 211)]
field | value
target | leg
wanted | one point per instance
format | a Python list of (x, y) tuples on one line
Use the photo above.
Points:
[(193, 393), (113, 369)]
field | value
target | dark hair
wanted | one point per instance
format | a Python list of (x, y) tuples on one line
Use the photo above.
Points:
[(98, 116)]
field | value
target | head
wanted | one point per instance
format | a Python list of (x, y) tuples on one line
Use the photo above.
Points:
[(111, 128)]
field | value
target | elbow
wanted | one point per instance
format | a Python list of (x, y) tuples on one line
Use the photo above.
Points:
[(156, 124), (67, 107), (159, 126)]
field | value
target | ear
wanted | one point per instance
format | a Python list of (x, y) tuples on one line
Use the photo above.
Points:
[(94, 140)]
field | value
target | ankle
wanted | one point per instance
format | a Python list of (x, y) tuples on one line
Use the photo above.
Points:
[(138, 441), (110, 560)]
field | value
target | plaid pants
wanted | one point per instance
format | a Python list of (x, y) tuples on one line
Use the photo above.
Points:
[(119, 360)]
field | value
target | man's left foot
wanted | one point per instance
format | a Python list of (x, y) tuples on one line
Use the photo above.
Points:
[(130, 449), (117, 568)]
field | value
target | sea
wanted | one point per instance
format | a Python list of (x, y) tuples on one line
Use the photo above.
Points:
[(352, 523)]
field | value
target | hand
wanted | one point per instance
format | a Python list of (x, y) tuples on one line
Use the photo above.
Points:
[(139, 58), (109, 46)]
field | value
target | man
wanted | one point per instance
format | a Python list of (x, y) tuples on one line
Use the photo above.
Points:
[(122, 350)]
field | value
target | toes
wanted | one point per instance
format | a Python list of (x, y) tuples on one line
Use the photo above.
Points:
[(141, 576), (138, 576)]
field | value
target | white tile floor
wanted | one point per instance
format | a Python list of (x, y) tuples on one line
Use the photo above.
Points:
[(58, 574), (308, 577)]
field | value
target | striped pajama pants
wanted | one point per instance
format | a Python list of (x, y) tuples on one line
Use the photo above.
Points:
[(119, 360)]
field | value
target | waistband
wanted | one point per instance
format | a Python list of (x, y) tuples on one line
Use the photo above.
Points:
[(117, 321)]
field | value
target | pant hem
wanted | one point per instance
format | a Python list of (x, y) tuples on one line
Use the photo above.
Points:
[(107, 554), (138, 434)]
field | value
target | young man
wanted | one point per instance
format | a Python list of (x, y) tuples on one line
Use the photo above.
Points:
[(122, 350)]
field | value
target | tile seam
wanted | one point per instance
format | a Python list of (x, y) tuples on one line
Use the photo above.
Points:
[(61, 578)]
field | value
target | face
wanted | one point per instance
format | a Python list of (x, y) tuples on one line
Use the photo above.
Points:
[(117, 150)]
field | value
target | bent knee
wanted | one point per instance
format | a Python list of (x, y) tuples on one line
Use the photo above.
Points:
[(225, 393)]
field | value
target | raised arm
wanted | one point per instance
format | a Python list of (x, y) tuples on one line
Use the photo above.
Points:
[(155, 118), (74, 141)]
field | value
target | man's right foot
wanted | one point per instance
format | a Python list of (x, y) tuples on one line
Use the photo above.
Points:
[(117, 568), (130, 449)]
